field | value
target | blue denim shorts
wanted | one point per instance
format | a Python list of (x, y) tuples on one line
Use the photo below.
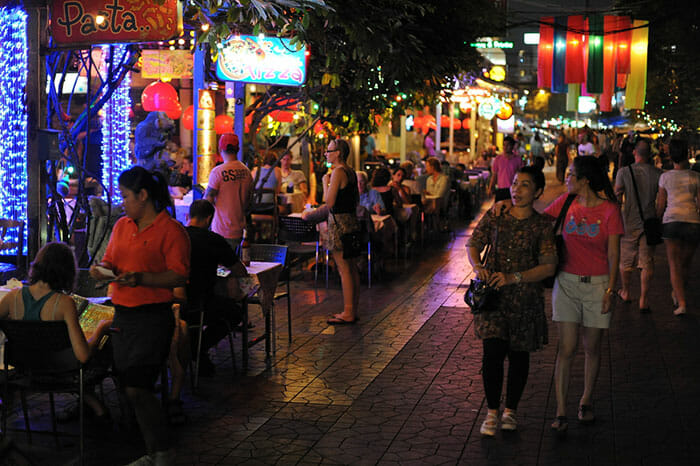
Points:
[(685, 231)]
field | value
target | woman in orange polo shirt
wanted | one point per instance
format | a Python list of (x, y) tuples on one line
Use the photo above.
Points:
[(149, 252)]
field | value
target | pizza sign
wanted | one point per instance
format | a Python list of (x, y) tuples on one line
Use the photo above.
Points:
[(75, 22)]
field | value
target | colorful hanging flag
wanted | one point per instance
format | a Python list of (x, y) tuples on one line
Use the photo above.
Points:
[(610, 26), (574, 50), (559, 57), (594, 77), (572, 97), (545, 51), (635, 93), (622, 44)]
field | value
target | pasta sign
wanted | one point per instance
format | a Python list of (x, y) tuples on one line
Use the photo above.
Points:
[(263, 60), (75, 22)]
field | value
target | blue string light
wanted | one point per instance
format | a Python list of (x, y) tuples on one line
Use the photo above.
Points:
[(116, 127), (13, 117)]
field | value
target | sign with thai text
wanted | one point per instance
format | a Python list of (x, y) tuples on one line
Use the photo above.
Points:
[(75, 22), (264, 60), (172, 64)]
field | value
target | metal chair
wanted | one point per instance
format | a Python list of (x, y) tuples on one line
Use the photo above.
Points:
[(302, 240), (10, 242), (278, 254), (265, 213), (42, 358)]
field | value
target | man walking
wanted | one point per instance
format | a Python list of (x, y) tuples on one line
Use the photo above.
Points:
[(633, 245), (504, 168), (229, 190)]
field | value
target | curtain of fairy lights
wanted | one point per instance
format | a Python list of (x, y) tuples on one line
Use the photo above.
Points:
[(116, 127), (13, 116)]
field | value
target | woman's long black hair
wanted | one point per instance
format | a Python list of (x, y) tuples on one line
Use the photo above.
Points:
[(137, 178), (588, 167)]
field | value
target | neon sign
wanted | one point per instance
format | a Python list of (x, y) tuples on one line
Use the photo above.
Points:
[(492, 44), (101, 22), (262, 60)]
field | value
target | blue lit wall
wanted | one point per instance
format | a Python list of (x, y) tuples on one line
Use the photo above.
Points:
[(115, 127), (13, 116)]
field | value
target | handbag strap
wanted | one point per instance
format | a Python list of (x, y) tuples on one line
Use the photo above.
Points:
[(562, 213), (636, 194)]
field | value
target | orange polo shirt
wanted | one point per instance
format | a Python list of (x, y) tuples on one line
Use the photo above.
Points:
[(162, 246)]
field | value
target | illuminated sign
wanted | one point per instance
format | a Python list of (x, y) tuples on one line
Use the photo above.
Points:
[(72, 84), (531, 38), (505, 112), (497, 73), (264, 60), (489, 107), (492, 44), (506, 126), (75, 22), (173, 64), (586, 104)]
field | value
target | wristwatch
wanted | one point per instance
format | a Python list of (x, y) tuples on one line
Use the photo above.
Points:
[(518, 277)]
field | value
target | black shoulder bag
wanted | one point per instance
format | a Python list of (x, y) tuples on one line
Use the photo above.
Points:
[(652, 226), (480, 296), (559, 239)]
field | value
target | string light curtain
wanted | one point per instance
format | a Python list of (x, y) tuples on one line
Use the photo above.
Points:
[(545, 51), (559, 59), (13, 117), (116, 127), (637, 80)]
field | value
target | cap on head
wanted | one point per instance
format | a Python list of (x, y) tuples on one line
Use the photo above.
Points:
[(226, 140)]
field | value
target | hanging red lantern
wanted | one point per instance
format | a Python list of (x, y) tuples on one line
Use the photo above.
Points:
[(159, 96), (223, 124), (465, 123), (188, 118), (174, 113), (378, 119), (282, 116)]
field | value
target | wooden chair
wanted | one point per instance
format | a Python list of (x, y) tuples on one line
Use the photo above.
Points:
[(11, 240), (42, 360)]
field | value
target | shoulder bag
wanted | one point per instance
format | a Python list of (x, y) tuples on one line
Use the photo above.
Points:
[(559, 239), (652, 226), (480, 296)]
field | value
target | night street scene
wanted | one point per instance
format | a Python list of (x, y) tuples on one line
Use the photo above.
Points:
[(326, 232)]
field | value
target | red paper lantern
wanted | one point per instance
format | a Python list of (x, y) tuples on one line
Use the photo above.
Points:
[(465, 123), (223, 124), (188, 118), (159, 96), (174, 113)]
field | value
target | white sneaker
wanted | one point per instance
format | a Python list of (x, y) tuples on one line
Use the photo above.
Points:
[(508, 421), (679, 312), (489, 426)]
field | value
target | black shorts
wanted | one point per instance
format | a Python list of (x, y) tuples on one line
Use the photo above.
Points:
[(142, 344), (684, 231)]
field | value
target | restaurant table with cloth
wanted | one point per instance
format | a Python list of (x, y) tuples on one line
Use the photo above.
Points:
[(262, 279)]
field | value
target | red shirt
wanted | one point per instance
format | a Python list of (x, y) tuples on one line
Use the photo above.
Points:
[(585, 231), (161, 246)]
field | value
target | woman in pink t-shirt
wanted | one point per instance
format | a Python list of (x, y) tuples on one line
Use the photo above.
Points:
[(584, 288)]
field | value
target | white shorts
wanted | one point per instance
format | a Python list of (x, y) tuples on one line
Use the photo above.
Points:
[(580, 300)]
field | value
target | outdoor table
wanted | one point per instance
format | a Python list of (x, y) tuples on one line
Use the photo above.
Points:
[(294, 200), (262, 279)]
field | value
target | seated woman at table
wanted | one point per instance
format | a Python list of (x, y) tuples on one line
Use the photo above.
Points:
[(436, 186), (294, 179), (370, 199), (270, 177), (380, 183), (51, 277)]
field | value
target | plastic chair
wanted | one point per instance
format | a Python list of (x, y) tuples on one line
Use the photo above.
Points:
[(298, 234), (278, 254), (42, 358)]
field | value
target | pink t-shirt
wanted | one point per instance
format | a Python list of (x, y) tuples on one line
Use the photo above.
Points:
[(233, 182), (585, 231), (505, 169)]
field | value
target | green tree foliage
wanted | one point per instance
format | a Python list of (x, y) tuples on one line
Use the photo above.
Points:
[(673, 66)]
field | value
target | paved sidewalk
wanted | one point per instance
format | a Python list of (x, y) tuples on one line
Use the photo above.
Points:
[(403, 386)]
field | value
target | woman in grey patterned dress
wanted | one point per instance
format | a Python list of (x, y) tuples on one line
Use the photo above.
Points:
[(524, 255)]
